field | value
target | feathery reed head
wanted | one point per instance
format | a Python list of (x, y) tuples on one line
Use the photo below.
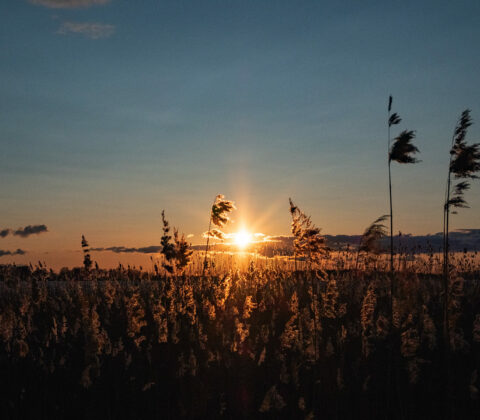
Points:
[(168, 248), (220, 209), (461, 128), (457, 199), (293, 207), (214, 234), (87, 260), (464, 162), (394, 119), (307, 241), (183, 251), (373, 234), (177, 253), (403, 149)]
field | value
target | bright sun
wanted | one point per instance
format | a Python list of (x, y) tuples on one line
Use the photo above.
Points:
[(242, 238)]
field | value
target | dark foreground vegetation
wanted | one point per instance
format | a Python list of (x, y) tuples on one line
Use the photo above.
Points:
[(125, 344)]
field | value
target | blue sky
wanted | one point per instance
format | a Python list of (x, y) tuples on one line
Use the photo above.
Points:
[(111, 111)]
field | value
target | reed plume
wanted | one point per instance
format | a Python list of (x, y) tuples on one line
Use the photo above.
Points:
[(308, 241), (219, 216), (177, 253), (214, 234), (168, 248), (183, 251), (402, 148), (370, 240), (87, 260), (221, 209)]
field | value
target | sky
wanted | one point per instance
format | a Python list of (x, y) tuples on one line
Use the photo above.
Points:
[(112, 110)]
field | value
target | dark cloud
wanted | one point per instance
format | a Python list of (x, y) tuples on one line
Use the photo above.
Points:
[(5, 232), (17, 252), (30, 230), (119, 249)]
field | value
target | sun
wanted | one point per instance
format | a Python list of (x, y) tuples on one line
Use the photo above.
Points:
[(242, 238)]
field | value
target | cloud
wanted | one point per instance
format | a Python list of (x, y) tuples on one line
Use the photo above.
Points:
[(17, 252), (24, 232), (119, 249), (279, 238), (283, 244), (190, 235), (460, 240), (68, 4), (90, 30), (5, 232), (30, 230)]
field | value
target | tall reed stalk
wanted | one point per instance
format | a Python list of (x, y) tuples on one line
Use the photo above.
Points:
[(392, 120), (219, 212), (401, 150), (464, 164)]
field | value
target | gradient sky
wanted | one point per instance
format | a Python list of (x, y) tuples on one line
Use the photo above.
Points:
[(114, 110)]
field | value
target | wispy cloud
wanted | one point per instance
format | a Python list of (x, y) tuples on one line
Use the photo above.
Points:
[(91, 30), (68, 4), (17, 252), (30, 230)]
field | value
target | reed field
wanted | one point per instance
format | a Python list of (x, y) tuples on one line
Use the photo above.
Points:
[(253, 340)]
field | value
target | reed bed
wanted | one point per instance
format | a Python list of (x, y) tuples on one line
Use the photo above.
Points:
[(255, 340)]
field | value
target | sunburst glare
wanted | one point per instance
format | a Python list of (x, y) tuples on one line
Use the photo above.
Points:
[(242, 238)]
